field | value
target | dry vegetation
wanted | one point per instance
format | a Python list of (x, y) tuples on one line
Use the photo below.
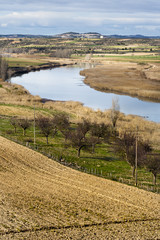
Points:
[(50, 201), (14, 97), (142, 81), (41, 199)]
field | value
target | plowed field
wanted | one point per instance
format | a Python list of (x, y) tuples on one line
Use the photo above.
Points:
[(41, 199)]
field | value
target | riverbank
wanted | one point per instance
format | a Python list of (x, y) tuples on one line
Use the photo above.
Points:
[(133, 79), (16, 101), (22, 65), (16, 95)]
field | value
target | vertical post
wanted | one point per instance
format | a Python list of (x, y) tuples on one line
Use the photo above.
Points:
[(34, 127), (136, 159)]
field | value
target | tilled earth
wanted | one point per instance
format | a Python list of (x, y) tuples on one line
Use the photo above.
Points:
[(41, 199)]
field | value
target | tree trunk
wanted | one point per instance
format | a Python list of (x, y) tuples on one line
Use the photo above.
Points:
[(93, 148), (133, 171), (154, 178), (24, 132), (47, 139), (79, 151)]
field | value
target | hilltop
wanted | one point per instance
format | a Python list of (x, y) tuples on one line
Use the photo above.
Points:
[(89, 35)]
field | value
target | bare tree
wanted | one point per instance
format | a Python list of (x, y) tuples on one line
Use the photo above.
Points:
[(97, 132), (24, 124), (63, 124), (77, 139), (84, 127), (153, 165), (115, 111), (127, 147), (46, 126), (62, 53), (14, 123), (78, 136)]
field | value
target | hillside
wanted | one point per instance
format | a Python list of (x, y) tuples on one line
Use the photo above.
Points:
[(78, 35), (41, 199)]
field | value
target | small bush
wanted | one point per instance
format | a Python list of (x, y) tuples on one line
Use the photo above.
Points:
[(9, 132), (29, 140)]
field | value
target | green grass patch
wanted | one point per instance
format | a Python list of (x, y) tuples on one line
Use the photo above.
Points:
[(20, 62), (145, 58)]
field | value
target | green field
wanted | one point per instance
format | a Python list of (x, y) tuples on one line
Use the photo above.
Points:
[(79, 46), (145, 58), (22, 62)]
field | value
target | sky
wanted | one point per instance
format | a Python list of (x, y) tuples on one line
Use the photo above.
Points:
[(49, 17)]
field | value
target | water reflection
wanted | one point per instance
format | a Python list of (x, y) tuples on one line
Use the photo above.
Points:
[(65, 83)]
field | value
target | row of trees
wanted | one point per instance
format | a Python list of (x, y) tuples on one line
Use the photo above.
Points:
[(87, 135), (83, 134), (22, 123), (62, 53)]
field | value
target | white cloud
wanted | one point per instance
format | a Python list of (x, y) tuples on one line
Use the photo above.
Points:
[(4, 25)]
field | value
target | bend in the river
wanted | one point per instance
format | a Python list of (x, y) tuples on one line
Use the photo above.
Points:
[(65, 83)]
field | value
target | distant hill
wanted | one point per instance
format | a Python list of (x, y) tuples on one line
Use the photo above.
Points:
[(138, 36), (79, 35), (89, 35), (23, 36)]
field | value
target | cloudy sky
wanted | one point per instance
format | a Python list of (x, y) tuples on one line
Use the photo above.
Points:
[(58, 16)]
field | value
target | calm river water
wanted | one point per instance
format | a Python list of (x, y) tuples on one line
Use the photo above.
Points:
[(65, 83)]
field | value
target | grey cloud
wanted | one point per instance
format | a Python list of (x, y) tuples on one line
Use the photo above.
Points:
[(89, 5), (85, 15)]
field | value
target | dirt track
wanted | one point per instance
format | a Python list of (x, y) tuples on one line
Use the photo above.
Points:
[(41, 199)]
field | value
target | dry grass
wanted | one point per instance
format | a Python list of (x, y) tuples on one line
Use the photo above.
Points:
[(35, 196), (49, 201), (16, 94), (126, 78), (20, 102), (148, 131)]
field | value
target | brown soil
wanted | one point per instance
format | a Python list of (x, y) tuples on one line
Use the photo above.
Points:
[(41, 199), (126, 78)]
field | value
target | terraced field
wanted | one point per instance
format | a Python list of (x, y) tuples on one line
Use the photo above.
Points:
[(41, 199)]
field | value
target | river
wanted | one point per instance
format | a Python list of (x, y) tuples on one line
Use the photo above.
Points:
[(65, 83)]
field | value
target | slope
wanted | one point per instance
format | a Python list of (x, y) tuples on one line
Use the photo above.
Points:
[(39, 195)]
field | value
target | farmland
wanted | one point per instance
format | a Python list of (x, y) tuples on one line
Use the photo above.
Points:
[(42, 195), (129, 57), (49, 200), (18, 104)]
